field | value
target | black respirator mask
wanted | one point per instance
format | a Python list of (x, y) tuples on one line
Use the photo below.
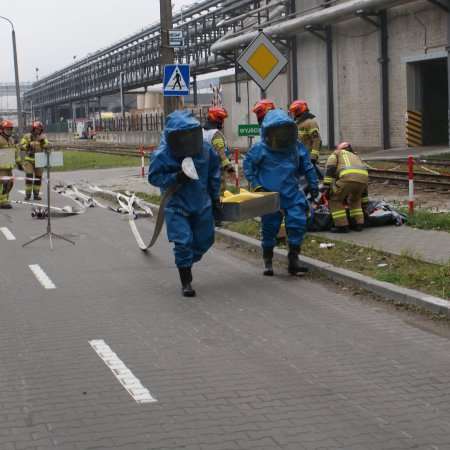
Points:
[(281, 138), (184, 143)]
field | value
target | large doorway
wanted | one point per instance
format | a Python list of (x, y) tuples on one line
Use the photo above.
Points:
[(435, 102)]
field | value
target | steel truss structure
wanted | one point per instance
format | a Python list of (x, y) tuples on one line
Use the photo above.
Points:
[(136, 59)]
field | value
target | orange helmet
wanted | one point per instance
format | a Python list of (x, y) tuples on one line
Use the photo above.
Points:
[(262, 107), (217, 114), (37, 125), (345, 146), (7, 124), (298, 107)]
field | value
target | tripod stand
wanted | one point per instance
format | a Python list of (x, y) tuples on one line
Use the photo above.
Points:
[(49, 232)]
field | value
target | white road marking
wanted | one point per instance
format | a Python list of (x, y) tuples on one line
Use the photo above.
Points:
[(122, 373), (7, 233), (42, 276)]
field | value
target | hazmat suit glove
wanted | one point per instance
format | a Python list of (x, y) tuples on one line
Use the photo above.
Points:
[(314, 193), (182, 178), (315, 161), (216, 205)]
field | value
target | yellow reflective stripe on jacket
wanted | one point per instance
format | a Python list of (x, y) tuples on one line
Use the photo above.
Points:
[(312, 130), (347, 171), (328, 180), (315, 153), (218, 142)]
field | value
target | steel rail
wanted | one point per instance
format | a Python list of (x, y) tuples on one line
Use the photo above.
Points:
[(421, 180)]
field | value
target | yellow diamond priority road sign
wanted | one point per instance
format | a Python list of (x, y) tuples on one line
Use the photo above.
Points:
[(262, 61)]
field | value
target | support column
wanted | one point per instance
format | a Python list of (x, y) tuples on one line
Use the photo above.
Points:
[(330, 87), (384, 65), (448, 72)]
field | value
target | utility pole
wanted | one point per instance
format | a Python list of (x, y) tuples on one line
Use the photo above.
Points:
[(167, 53)]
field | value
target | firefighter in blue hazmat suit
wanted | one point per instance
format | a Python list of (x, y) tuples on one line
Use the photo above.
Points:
[(189, 212), (275, 164)]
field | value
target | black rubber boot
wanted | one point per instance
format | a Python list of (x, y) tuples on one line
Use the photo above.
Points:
[(294, 266), (268, 256), (186, 278)]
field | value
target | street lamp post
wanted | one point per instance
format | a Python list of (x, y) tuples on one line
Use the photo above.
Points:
[(16, 72)]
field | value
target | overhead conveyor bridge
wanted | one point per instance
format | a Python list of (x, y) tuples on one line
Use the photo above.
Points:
[(137, 58)]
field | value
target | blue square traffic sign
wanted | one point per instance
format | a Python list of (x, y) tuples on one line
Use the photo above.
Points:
[(176, 79)]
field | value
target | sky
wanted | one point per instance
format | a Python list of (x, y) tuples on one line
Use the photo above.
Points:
[(49, 33)]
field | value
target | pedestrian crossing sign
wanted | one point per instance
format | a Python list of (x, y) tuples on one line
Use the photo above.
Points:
[(176, 79)]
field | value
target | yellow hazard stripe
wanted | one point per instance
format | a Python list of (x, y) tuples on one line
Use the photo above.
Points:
[(414, 128)]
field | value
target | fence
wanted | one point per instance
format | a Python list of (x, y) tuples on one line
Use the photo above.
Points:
[(143, 122)]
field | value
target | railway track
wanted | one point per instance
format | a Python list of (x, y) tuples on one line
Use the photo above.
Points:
[(417, 160), (421, 180)]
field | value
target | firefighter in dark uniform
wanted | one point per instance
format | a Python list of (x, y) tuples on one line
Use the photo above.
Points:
[(9, 153), (346, 180), (308, 130), (32, 143)]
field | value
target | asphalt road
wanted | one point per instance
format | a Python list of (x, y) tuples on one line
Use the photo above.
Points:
[(99, 350)]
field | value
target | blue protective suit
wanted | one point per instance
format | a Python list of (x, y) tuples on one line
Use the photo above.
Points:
[(188, 213), (280, 171)]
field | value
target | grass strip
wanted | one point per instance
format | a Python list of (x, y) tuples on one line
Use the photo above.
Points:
[(79, 160)]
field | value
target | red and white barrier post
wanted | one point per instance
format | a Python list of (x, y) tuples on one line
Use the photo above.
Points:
[(236, 167), (411, 184), (142, 152)]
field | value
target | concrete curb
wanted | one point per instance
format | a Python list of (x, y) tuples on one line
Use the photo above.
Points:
[(382, 288)]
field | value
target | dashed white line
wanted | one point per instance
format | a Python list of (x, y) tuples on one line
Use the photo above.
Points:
[(7, 233), (122, 373), (42, 276)]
